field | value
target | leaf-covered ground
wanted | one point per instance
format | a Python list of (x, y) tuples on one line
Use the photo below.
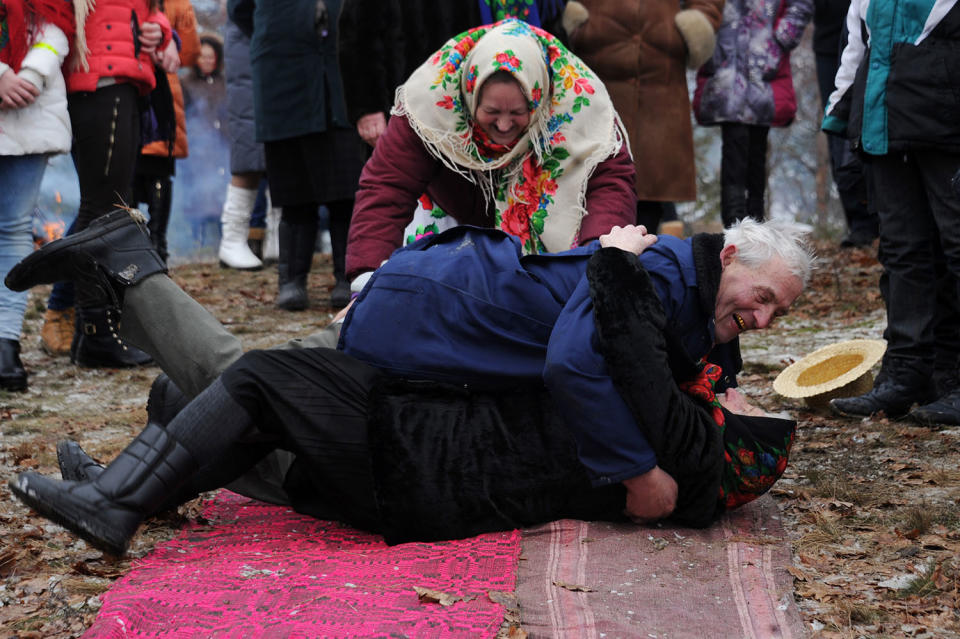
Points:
[(871, 507)]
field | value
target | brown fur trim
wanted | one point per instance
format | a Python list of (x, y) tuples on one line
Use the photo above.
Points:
[(698, 35)]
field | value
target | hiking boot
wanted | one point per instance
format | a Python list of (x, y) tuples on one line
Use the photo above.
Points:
[(112, 253), (945, 411), (888, 396), (56, 335), (107, 511), (75, 464)]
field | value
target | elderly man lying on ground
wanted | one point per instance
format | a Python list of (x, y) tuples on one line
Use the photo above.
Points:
[(420, 460)]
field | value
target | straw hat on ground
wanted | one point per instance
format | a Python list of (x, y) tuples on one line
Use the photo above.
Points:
[(836, 370)]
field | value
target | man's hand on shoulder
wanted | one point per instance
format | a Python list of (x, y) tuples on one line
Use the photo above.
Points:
[(650, 496), (630, 238)]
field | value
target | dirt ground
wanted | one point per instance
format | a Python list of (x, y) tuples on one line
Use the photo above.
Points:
[(872, 507)]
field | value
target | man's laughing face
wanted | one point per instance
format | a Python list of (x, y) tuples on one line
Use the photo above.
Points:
[(751, 298)]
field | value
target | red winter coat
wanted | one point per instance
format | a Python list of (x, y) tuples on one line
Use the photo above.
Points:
[(401, 170), (112, 43)]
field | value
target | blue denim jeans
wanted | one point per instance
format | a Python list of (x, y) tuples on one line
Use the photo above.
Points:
[(20, 177)]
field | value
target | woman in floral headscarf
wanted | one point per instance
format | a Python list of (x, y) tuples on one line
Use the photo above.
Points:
[(502, 127)]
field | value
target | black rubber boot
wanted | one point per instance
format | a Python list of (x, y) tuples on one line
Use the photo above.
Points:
[(107, 511), (297, 242), (97, 343), (159, 207), (112, 253)]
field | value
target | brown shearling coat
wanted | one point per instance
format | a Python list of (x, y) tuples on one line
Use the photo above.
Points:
[(636, 50)]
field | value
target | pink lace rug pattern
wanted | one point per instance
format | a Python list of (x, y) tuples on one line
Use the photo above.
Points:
[(265, 571)]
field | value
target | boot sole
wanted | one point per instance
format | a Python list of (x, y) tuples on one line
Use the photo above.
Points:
[(241, 268), (87, 533)]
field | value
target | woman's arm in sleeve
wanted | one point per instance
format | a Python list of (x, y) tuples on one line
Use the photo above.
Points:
[(45, 57), (392, 181), (611, 196)]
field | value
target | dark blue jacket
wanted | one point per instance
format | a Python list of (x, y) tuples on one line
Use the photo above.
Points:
[(467, 307)]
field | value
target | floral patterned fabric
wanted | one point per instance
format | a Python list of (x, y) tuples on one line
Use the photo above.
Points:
[(755, 449), (538, 185)]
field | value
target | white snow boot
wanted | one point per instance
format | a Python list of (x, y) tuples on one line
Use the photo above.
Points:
[(235, 225), (271, 240)]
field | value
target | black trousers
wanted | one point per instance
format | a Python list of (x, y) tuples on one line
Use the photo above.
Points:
[(920, 252), (743, 171), (106, 141)]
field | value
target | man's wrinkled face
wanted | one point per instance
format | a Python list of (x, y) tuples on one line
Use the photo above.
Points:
[(749, 298)]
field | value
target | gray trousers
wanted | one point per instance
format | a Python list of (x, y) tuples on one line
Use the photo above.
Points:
[(193, 349)]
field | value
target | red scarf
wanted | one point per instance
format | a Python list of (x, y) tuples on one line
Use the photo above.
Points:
[(488, 149), (18, 25)]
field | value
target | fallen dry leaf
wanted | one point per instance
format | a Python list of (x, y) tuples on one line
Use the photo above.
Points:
[(435, 596), (573, 587)]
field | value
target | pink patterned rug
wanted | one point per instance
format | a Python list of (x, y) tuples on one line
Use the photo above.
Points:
[(269, 572)]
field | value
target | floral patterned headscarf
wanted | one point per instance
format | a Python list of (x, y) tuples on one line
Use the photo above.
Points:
[(755, 449), (539, 185)]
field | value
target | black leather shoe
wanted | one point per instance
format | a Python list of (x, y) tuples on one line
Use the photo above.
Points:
[(75, 464), (890, 397), (165, 401), (943, 412), (12, 375), (110, 254)]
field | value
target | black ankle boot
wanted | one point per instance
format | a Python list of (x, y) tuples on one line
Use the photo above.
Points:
[(165, 401), (75, 464), (112, 253), (97, 343), (13, 377), (107, 511), (297, 242)]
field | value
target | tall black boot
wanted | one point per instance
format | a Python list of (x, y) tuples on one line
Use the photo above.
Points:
[(97, 343), (340, 214), (297, 239), (160, 194), (107, 511), (112, 253)]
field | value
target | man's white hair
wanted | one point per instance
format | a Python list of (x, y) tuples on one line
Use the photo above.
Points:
[(758, 242)]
